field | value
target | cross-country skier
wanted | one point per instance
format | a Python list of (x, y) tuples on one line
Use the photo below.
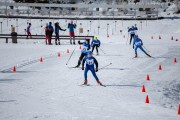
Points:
[(28, 31), (132, 33), (51, 30), (71, 27), (85, 48), (138, 44), (90, 61), (57, 29), (95, 44)]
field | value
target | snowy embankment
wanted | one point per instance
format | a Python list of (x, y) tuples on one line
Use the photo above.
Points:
[(50, 90)]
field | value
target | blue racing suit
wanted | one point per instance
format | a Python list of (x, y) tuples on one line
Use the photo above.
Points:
[(138, 44), (90, 66)]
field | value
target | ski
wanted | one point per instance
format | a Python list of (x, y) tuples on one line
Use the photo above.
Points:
[(83, 85)]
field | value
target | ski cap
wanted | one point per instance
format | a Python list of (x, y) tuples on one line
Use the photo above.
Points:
[(89, 53), (95, 38)]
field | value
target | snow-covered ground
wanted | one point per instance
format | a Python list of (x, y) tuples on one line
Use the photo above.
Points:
[(50, 90)]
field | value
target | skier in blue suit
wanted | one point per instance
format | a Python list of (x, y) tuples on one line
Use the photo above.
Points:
[(84, 50), (95, 43), (138, 44), (90, 61), (131, 31)]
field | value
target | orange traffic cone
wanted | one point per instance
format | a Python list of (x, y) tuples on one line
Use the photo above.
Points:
[(175, 61), (179, 110), (67, 51), (14, 69), (147, 99), (143, 89), (147, 77), (160, 67), (59, 54), (41, 60)]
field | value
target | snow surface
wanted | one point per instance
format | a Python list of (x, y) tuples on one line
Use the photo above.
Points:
[(50, 90)]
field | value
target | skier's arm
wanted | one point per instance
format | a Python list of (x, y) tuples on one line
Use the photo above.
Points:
[(99, 43), (68, 25), (62, 29), (96, 63), (89, 47), (80, 43)]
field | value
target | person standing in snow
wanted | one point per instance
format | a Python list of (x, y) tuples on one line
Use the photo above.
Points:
[(85, 48), (137, 44), (46, 34), (131, 31), (71, 28), (57, 29), (51, 30), (28, 31), (90, 61), (95, 44)]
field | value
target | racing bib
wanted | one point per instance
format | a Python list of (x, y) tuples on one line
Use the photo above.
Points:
[(90, 62)]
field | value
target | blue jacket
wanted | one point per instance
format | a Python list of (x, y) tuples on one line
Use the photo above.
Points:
[(71, 27), (137, 42), (85, 47), (90, 62), (50, 27), (95, 42)]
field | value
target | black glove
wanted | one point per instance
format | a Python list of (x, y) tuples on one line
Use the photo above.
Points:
[(133, 47), (96, 70), (82, 68), (79, 42)]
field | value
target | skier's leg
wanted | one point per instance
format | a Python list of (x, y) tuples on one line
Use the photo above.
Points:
[(97, 49), (74, 40), (56, 39), (136, 51), (130, 38), (93, 48), (70, 37), (144, 51), (80, 59), (95, 76), (85, 75)]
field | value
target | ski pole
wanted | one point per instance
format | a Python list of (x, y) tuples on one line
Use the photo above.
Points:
[(71, 55), (105, 66), (102, 50), (146, 49)]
